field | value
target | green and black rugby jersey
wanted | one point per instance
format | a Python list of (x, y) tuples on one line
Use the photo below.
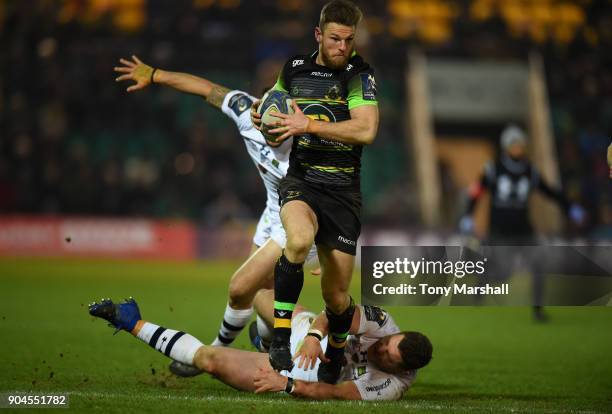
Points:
[(327, 95)]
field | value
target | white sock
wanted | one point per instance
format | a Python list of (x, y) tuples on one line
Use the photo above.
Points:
[(265, 333), (177, 345), (234, 321)]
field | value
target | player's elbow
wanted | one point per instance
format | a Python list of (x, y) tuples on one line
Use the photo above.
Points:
[(368, 131), (341, 393), (345, 391), (367, 135), (367, 138)]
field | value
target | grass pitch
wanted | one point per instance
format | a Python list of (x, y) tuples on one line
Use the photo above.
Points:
[(493, 360)]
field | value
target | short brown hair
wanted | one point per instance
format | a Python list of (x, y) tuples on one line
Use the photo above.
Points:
[(341, 12), (415, 349)]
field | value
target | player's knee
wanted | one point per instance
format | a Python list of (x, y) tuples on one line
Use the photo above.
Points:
[(206, 359), (262, 296), (240, 294), (298, 246), (336, 300)]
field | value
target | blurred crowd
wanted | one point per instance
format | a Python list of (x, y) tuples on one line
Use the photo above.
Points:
[(73, 141)]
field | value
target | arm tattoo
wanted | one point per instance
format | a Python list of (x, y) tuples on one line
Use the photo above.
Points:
[(216, 96)]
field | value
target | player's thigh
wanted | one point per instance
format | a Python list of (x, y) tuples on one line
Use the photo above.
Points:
[(235, 367), (337, 272), (264, 305), (299, 219), (257, 272)]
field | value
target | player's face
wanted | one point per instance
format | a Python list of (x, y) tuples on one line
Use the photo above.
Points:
[(336, 43), (385, 354), (518, 150)]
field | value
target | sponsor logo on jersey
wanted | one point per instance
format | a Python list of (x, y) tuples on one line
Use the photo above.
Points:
[(293, 194), (379, 387), (349, 67), (319, 112), (321, 74), (239, 103), (333, 92), (297, 62), (347, 241), (368, 86)]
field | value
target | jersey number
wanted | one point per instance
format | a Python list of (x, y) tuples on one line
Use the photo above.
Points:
[(506, 188)]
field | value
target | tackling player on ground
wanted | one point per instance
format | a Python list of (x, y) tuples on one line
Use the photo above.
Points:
[(336, 114), (271, 163), (381, 360)]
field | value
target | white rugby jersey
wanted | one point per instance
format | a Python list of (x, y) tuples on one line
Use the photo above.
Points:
[(372, 383), (272, 163)]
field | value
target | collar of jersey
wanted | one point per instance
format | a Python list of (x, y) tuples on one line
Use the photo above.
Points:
[(514, 166)]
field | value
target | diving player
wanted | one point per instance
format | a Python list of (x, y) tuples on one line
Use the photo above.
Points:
[(272, 163), (382, 361)]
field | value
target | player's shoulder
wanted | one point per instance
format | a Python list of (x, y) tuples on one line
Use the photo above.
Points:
[(375, 322), (357, 64), (492, 168), (297, 63), (361, 80), (375, 314)]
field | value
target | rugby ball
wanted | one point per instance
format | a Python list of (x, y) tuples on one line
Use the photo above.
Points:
[(273, 101)]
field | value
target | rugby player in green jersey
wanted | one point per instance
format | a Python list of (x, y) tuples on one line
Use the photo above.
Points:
[(336, 114)]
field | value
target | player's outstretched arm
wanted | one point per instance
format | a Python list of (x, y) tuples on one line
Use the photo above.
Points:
[(144, 75), (574, 212), (361, 129), (268, 380)]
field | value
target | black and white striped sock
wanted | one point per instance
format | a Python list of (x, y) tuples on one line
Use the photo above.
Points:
[(265, 333), (179, 346), (234, 321)]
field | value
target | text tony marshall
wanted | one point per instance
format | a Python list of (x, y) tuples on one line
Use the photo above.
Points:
[(426, 289)]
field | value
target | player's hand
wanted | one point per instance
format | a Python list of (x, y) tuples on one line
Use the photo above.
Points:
[(309, 352), (290, 125), (577, 214), (466, 224), (255, 117), (268, 380), (136, 71), (316, 272)]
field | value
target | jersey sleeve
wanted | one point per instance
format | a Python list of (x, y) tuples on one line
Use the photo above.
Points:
[(362, 89), (549, 191), (237, 105), (488, 175), (375, 322), (380, 386), (281, 81)]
